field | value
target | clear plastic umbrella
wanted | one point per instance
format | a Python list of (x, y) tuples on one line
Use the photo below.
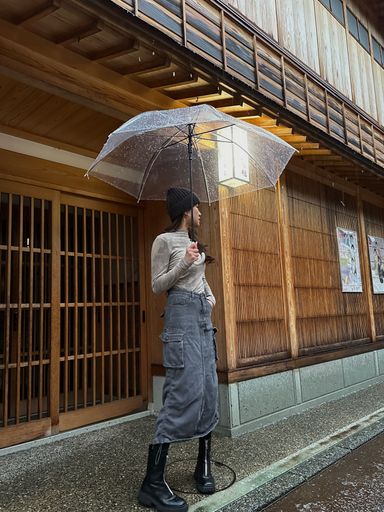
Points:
[(199, 147)]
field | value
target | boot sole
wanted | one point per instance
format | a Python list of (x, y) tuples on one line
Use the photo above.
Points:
[(205, 490), (147, 501)]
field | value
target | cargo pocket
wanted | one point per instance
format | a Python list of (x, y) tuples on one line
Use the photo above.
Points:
[(173, 348)]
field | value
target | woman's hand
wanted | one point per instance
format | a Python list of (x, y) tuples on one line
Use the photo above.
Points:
[(192, 253)]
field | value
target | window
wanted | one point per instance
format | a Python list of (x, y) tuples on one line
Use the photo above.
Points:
[(358, 30), (352, 25), (378, 52), (363, 36), (336, 8), (326, 3)]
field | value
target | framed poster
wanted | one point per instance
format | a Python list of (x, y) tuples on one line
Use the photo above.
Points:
[(376, 260), (349, 261)]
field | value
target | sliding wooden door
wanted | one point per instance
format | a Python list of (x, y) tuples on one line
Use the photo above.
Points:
[(72, 349), (101, 339), (26, 320)]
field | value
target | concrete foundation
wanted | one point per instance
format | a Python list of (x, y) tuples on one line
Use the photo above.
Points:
[(251, 404)]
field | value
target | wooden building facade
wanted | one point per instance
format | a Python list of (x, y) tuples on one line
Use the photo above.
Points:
[(79, 324)]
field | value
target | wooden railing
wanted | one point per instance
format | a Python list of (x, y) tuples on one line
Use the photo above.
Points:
[(223, 36)]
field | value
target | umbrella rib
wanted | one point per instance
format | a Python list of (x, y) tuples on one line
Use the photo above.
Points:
[(197, 135), (151, 164), (203, 171)]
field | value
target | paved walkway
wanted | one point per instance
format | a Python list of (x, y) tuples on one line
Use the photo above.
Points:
[(102, 470)]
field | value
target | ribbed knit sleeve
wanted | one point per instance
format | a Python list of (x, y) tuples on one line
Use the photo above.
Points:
[(162, 278)]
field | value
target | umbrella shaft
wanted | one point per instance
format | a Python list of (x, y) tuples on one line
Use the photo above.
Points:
[(190, 135)]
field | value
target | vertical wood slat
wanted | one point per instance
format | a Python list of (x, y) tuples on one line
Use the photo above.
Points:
[(7, 313), (110, 307), (374, 142), (327, 111), (94, 310), (75, 314), (184, 23), (360, 134), (30, 316), (126, 309), (102, 356), (41, 312), (54, 342), (285, 83), (223, 40), (118, 309), (85, 311), (256, 62), (287, 270), (307, 97), (344, 124), (66, 315), (19, 312), (142, 297), (133, 307), (368, 291)]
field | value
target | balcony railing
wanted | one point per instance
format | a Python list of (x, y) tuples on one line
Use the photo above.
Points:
[(221, 35)]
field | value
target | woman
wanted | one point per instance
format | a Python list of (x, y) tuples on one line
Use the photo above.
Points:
[(190, 388)]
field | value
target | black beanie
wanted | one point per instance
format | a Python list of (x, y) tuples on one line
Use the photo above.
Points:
[(179, 201)]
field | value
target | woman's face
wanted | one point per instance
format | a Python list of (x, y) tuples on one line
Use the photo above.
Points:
[(196, 217)]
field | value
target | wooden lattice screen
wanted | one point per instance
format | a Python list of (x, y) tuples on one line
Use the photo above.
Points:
[(71, 344), (25, 307), (100, 307), (259, 301), (326, 317), (374, 219)]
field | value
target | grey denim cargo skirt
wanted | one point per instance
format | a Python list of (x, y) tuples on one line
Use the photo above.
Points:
[(189, 356)]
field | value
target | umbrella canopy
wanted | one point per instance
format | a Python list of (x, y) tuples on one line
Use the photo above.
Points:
[(196, 147)]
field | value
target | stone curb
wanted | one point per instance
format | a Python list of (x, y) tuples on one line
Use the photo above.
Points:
[(272, 483)]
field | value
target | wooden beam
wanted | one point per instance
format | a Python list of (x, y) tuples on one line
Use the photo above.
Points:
[(294, 138), (196, 92), (287, 267), (146, 67), (47, 63), (368, 291), (316, 152), (37, 13), (228, 284), (79, 33), (253, 114), (175, 80), (236, 101), (116, 51), (305, 145)]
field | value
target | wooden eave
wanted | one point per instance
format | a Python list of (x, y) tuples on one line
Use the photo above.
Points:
[(73, 70)]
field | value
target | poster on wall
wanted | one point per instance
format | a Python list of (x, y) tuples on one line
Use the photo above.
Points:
[(349, 261), (376, 259)]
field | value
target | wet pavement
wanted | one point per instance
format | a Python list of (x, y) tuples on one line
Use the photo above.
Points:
[(353, 484), (101, 470)]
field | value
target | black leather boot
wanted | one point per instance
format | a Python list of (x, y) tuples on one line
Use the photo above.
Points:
[(205, 482), (155, 491)]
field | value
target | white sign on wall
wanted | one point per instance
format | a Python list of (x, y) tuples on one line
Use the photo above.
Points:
[(349, 261), (376, 259)]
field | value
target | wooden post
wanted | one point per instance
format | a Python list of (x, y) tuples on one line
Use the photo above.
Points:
[(228, 287), (55, 317), (286, 263), (366, 269)]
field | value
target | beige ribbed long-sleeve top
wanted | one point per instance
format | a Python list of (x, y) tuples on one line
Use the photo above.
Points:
[(170, 268)]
